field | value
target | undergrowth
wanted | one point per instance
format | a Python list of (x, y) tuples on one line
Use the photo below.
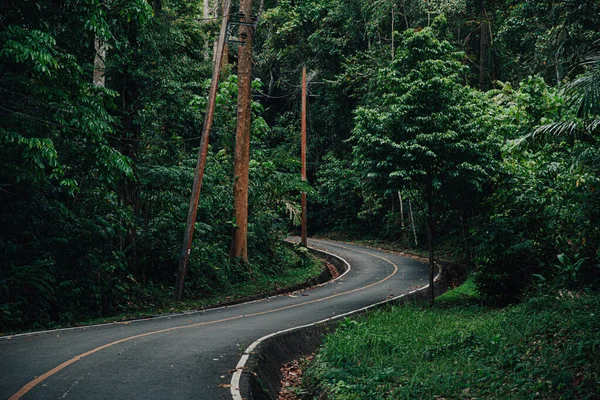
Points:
[(294, 267), (545, 348)]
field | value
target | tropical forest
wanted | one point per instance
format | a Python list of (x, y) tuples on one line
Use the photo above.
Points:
[(459, 132)]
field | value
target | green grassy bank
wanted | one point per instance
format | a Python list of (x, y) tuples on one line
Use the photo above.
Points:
[(545, 348)]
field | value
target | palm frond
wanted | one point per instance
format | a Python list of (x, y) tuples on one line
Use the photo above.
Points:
[(584, 92), (562, 128)]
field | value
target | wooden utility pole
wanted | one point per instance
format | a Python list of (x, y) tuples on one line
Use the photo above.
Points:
[(239, 240), (303, 241), (225, 60), (201, 163)]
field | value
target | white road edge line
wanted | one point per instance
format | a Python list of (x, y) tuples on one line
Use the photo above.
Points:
[(168, 316), (237, 375)]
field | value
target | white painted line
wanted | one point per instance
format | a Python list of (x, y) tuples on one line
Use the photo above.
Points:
[(237, 375), (177, 315)]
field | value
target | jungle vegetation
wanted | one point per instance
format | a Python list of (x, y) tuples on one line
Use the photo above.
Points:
[(467, 126)]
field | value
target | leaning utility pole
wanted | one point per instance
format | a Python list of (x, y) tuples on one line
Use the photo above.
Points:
[(239, 239), (303, 240), (200, 165)]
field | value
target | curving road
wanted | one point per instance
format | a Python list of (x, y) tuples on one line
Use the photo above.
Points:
[(189, 356)]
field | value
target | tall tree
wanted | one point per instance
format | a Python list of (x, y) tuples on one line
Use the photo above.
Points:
[(404, 140)]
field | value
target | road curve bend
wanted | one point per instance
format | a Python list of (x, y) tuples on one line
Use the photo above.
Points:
[(191, 355)]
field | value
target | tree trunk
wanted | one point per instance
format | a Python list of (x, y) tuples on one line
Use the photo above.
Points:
[(412, 220), (99, 63), (303, 157), (128, 189), (261, 8), (430, 237), (239, 242), (206, 14), (402, 215), (393, 17), (484, 50), (464, 219), (403, 4)]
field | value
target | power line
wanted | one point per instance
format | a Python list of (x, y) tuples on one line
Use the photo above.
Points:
[(36, 101), (276, 97), (42, 120), (207, 19)]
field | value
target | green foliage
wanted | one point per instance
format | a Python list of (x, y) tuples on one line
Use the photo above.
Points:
[(583, 99), (339, 196), (436, 152), (547, 345), (543, 203), (95, 181), (550, 39)]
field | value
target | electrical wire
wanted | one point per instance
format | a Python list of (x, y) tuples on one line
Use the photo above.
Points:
[(276, 97), (121, 131), (36, 101), (207, 19)]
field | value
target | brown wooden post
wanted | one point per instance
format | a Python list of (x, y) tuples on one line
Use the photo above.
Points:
[(303, 240), (201, 163), (239, 241), (225, 60)]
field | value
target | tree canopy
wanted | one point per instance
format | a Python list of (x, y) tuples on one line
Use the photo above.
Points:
[(468, 126)]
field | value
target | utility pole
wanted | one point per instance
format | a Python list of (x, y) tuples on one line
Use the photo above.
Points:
[(225, 60), (303, 240), (201, 163), (239, 240)]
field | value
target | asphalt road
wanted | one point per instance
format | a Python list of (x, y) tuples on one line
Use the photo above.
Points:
[(189, 356)]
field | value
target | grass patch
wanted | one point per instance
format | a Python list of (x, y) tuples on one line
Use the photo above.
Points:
[(547, 347)]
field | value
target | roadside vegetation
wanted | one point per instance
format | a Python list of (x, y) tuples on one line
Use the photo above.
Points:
[(467, 130), (546, 347), (297, 270)]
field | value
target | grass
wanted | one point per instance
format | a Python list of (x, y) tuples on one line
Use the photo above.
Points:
[(296, 273), (545, 348)]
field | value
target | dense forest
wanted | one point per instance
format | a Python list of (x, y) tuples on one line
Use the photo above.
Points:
[(468, 126)]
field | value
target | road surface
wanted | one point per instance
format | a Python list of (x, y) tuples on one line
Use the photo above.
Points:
[(189, 356)]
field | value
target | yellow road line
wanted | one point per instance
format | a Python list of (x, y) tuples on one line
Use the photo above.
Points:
[(25, 389), (237, 375)]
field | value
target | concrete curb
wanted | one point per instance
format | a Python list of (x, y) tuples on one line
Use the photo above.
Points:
[(240, 381), (258, 373)]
